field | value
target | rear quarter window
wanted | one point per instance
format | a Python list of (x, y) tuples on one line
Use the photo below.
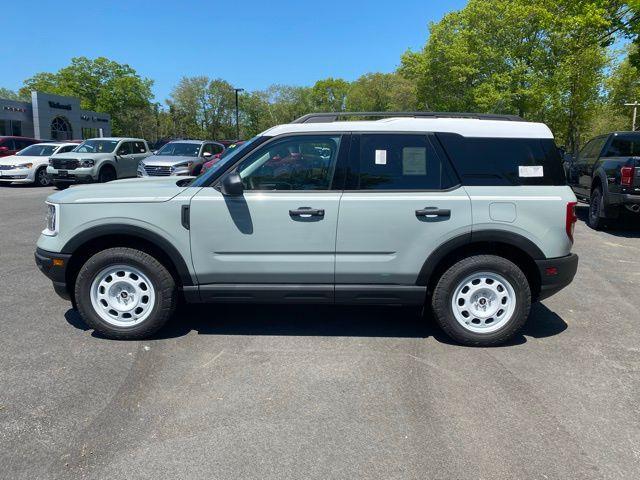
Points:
[(498, 161)]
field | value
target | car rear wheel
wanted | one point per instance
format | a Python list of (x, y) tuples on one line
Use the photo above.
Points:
[(483, 300), (125, 293)]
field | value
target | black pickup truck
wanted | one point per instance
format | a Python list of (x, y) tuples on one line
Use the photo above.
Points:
[(606, 174)]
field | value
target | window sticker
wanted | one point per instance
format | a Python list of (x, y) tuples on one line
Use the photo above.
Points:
[(381, 157), (531, 171), (414, 161)]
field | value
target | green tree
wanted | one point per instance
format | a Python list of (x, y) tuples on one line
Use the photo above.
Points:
[(102, 85), (11, 95), (329, 95), (374, 92)]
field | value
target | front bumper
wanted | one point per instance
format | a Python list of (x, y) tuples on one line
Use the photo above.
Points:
[(556, 273), (78, 175), (17, 175), (54, 266)]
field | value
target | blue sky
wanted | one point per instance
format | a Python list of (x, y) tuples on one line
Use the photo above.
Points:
[(251, 44)]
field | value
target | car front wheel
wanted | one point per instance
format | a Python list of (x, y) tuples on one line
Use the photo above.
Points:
[(125, 293), (483, 300)]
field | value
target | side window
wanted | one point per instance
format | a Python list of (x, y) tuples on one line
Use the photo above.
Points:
[(125, 149), (586, 150), (208, 148), (139, 147), (302, 162), (68, 148), (398, 162), (217, 148), (20, 144), (623, 147)]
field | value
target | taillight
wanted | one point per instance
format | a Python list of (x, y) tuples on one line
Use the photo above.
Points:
[(572, 218), (626, 176)]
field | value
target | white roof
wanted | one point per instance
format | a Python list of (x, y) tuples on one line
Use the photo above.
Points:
[(467, 127), (117, 139)]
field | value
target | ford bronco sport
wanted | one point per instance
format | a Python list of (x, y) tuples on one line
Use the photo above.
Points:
[(467, 214)]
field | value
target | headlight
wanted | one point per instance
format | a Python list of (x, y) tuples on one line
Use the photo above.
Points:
[(25, 165), (141, 164), (183, 165), (52, 219), (87, 162)]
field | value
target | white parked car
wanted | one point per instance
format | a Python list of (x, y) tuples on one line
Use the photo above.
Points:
[(98, 160), (29, 165)]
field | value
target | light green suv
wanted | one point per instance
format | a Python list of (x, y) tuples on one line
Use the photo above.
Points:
[(467, 214)]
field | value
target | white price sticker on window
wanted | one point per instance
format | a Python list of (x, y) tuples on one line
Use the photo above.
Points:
[(381, 157), (531, 171)]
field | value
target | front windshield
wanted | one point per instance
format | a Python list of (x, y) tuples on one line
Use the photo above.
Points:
[(37, 151), (96, 146), (180, 149), (220, 166)]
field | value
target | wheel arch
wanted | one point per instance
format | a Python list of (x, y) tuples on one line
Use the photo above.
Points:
[(512, 246), (82, 246)]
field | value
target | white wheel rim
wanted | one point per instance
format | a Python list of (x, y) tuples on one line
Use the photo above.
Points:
[(122, 295), (483, 302)]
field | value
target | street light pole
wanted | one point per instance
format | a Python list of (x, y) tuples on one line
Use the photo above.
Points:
[(237, 90), (635, 112)]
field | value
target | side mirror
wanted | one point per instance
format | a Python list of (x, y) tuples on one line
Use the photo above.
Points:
[(206, 154), (232, 185), (4, 149)]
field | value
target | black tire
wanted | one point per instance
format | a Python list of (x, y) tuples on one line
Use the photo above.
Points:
[(41, 178), (596, 210), (161, 281), (442, 298), (107, 174), (61, 185)]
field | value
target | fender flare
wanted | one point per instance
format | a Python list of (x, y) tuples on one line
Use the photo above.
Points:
[(481, 236), (124, 229)]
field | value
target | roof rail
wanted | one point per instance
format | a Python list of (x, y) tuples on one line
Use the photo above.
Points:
[(330, 117)]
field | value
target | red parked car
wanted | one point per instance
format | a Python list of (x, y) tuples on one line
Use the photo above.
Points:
[(216, 158), (11, 145)]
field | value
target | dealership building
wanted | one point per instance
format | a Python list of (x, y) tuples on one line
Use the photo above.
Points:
[(52, 117)]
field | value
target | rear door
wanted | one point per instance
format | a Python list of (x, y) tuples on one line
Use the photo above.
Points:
[(401, 202), (282, 231)]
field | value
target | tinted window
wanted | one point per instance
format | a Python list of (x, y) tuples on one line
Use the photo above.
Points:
[(398, 162), (217, 148), (20, 144), (125, 149), (504, 161), (139, 147), (68, 148), (624, 147), (295, 163), (208, 148)]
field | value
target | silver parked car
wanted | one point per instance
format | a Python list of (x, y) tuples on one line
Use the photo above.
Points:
[(179, 157), (467, 215), (98, 160)]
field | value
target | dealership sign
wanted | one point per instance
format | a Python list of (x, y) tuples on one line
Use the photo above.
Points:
[(59, 105)]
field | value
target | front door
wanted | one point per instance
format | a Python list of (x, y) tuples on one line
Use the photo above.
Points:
[(402, 202), (125, 161), (282, 230)]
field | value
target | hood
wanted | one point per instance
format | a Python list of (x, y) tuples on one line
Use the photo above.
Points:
[(168, 160), (13, 160), (80, 156), (133, 190)]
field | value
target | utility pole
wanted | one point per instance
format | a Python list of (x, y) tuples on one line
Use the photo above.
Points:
[(237, 90), (635, 106)]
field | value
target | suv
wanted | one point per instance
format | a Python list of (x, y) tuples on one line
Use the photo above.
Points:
[(98, 160), (179, 157), (12, 145), (606, 174), (469, 215), (29, 165)]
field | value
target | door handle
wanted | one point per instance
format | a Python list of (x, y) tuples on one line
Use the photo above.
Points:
[(307, 211), (433, 212)]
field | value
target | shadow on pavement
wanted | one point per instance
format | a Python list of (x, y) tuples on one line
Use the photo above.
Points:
[(324, 320), (627, 226)]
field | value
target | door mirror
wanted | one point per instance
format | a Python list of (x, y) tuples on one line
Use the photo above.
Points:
[(206, 154), (232, 185)]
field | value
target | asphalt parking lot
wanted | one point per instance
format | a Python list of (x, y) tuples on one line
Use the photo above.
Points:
[(275, 392)]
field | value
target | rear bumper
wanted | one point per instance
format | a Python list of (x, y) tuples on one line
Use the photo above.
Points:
[(623, 199), (556, 273), (54, 271)]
